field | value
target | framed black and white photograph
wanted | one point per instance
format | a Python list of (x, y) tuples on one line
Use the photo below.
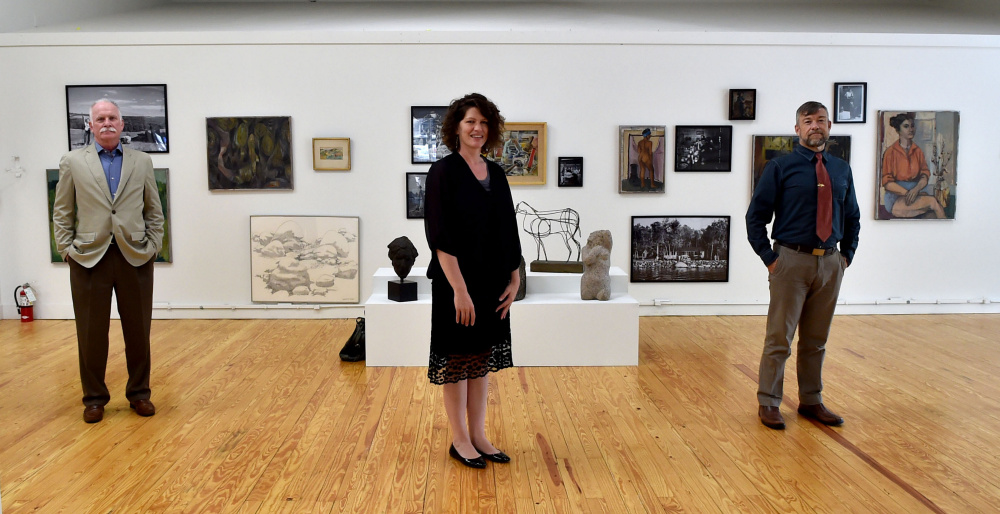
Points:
[(703, 148), (742, 104), (416, 190), (571, 172), (850, 102), (425, 134), (679, 249), (143, 108)]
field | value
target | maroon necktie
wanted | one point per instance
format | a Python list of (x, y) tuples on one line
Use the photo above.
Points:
[(824, 201)]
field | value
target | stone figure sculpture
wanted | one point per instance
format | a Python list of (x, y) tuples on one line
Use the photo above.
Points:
[(596, 281), (403, 254)]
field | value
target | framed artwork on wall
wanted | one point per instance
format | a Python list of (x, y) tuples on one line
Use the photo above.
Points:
[(163, 188), (766, 148), (571, 172), (304, 259), (642, 151), (143, 108), (917, 165), (742, 104), (850, 102), (522, 153), (425, 133), (331, 153), (680, 249), (249, 152), (416, 191), (703, 148)]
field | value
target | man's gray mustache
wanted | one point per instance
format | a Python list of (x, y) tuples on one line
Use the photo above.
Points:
[(108, 129)]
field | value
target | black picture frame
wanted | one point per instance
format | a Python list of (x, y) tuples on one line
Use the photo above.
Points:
[(850, 102), (143, 108), (679, 248), (571, 172), (426, 144), (261, 161), (742, 104), (703, 148), (766, 148), (416, 192)]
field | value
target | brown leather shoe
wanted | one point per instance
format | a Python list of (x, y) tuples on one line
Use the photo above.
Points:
[(771, 417), (820, 413), (93, 413), (143, 407)]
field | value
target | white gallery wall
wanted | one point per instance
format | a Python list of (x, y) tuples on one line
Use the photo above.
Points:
[(361, 85)]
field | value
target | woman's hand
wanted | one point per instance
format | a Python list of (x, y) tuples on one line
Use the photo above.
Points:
[(465, 311), (509, 293)]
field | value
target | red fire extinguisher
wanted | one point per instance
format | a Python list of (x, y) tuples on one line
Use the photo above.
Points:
[(24, 297)]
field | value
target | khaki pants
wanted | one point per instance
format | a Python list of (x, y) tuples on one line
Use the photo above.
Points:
[(804, 290)]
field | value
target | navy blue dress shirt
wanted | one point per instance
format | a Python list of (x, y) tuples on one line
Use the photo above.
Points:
[(112, 164), (787, 192)]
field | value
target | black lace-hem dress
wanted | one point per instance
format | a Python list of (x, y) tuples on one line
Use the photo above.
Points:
[(478, 226)]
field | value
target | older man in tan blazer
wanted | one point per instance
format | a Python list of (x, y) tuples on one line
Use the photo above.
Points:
[(109, 227)]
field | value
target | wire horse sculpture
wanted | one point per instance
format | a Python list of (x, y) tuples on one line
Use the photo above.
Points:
[(541, 224)]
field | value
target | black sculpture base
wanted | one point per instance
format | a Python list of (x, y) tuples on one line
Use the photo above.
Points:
[(402, 290), (557, 266)]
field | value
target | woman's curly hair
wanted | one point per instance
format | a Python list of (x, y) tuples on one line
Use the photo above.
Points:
[(456, 112)]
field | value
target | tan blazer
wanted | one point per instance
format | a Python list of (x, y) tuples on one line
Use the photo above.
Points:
[(85, 218)]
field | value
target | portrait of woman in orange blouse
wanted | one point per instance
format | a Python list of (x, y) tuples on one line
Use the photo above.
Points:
[(905, 175)]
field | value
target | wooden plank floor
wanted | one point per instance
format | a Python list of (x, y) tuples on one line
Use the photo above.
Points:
[(262, 416)]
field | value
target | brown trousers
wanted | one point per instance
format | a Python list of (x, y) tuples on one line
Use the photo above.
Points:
[(804, 290), (92, 288)]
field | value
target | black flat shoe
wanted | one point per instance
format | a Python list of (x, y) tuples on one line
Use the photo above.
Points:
[(477, 463), (498, 457)]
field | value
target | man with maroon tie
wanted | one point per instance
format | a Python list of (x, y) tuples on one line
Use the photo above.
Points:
[(810, 195)]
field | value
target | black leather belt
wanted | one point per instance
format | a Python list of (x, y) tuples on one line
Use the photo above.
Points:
[(808, 249)]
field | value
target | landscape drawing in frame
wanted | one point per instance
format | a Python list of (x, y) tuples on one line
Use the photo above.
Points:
[(571, 172), (917, 165), (249, 152), (703, 148), (416, 192), (163, 188), (331, 153), (425, 134), (521, 154), (679, 249), (642, 151), (766, 148), (143, 108), (304, 259), (850, 102), (742, 104)]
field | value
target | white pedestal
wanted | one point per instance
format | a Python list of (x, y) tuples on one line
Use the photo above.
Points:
[(551, 326)]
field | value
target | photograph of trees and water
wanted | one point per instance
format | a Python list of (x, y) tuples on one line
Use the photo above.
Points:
[(680, 249)]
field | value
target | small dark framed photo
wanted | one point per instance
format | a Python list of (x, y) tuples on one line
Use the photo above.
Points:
[(143, 108), (703, 148), (742, 104), (850, 102), (425, 133), (571, 172), (416, 190)]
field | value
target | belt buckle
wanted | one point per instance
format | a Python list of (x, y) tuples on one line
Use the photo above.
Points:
[(819, 251)]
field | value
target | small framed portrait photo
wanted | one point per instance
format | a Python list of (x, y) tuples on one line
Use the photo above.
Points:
[(850, 102), (571, 172), (742, 104), (416, 191), (331, 153)]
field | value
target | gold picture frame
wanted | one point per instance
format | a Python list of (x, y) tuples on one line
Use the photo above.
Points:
[(523, 158), (332, 153)]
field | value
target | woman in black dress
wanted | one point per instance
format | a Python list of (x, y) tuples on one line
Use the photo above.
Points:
[(475, 252)]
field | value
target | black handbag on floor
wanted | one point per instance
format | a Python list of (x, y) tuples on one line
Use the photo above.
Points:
[(354, 349)]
